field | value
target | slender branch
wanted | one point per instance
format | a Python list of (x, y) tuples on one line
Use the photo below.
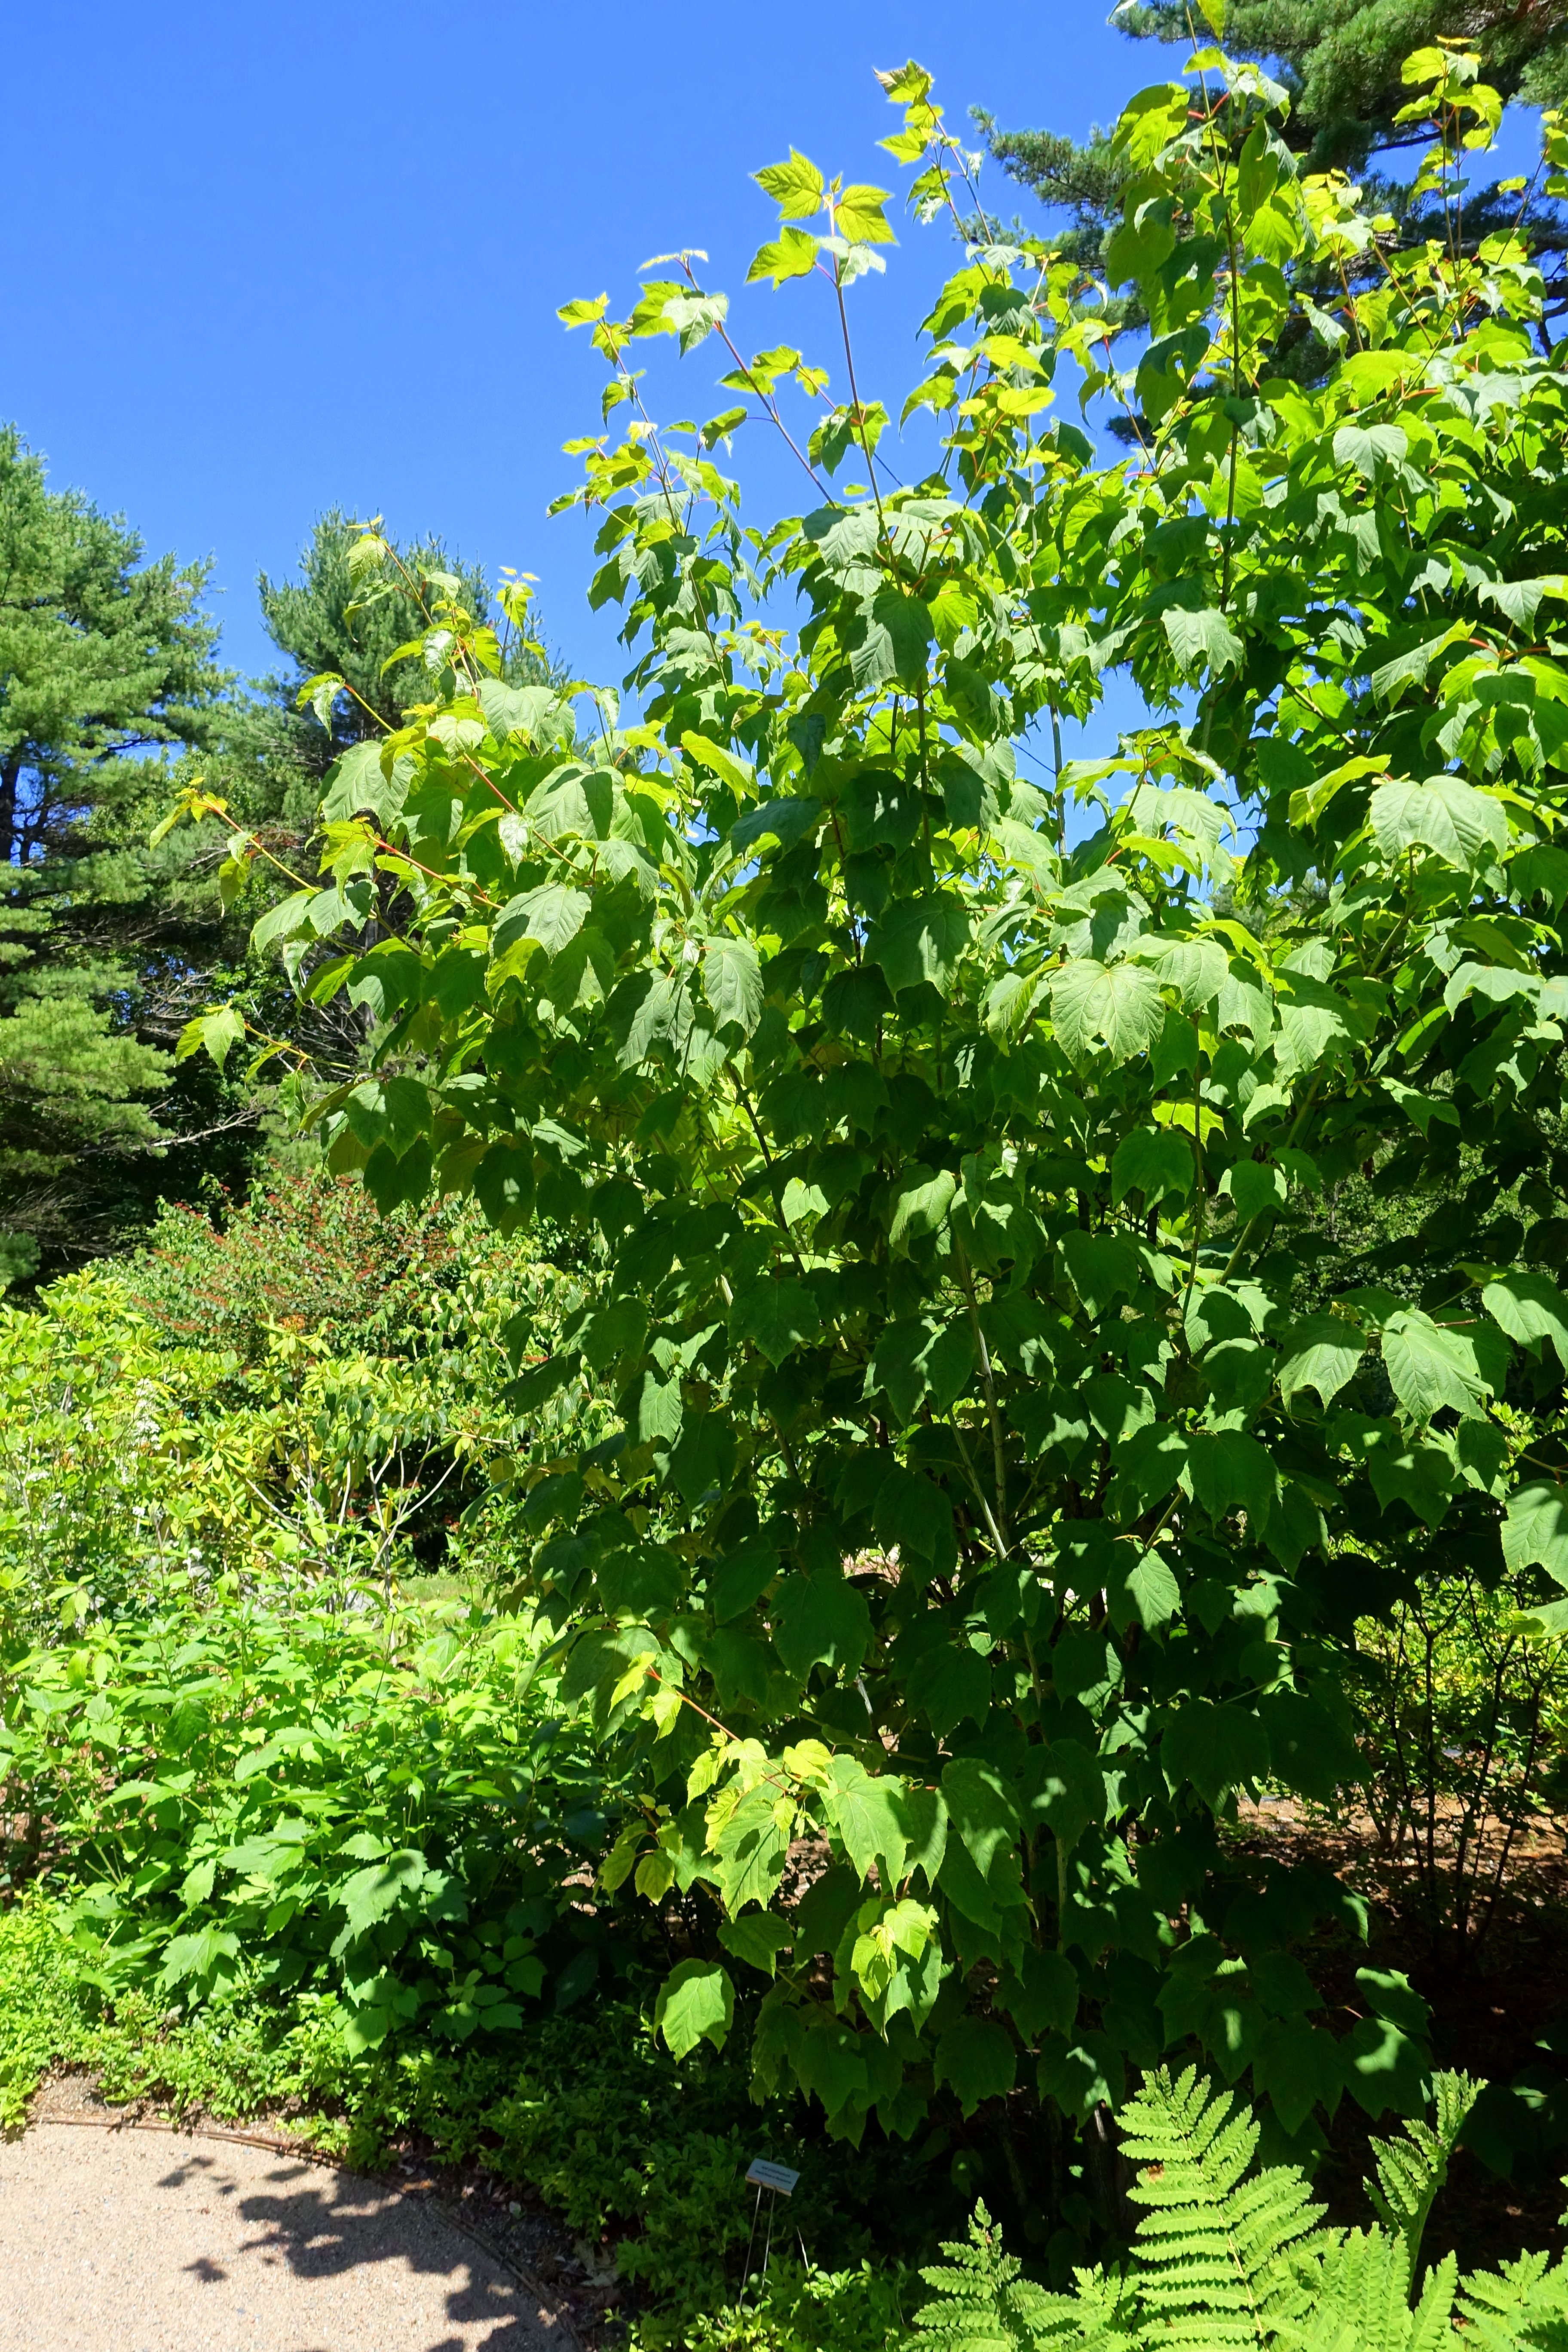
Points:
[(989, 1384)]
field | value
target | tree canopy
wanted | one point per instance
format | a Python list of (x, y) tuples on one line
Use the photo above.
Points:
[(1340, 63), (1004, 1444), (106, 666)]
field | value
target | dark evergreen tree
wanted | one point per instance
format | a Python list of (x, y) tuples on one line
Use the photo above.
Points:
[(110, 700), (327, 621), (341, 626), (106, 669)]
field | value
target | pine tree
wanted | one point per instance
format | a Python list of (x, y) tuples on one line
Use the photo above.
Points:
[(342, 625), (1341, 59), (106, 669), (110, 700), (327, 621)]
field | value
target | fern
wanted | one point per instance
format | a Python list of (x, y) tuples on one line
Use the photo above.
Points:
[(981, 2302), (1360, 2299), (1226, 2257), (1213, 2252), (1411, 2170), (1523, 2305)]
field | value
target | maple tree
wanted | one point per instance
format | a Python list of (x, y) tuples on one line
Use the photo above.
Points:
[(995, 1488)]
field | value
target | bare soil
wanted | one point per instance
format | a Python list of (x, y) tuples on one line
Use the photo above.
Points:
[(1491, 2002)]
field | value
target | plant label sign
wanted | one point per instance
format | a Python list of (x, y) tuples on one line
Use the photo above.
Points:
[(776, 2177)]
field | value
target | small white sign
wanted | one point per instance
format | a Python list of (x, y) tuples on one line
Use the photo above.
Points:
[(777, 2177)]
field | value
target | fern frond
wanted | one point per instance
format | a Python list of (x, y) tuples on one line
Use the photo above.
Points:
[(1411, 2170), (1525, 2304), (1360, 2296), (1214, 2251), (1361, 2300), (980, 2302), (1432, 2321)]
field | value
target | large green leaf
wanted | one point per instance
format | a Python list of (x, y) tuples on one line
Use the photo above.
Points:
[(922, 940), (554, 915), (796, 186), (1535, 1528), (696, 2003), (921, 1203), (751, 1851), (982, 1810), (732, 983), (922, 1357), (1119, 1007), (1321, 1352), (950, 1686), (820, 1622), (1444, 813), (394, 1109), (1216, 1749), (1299, 2067), (758, 1939), (1431, 1366), (866, 1812), (380, 1889), (1065, 1788), (1369, 448), (776, 1317), (1203, 640), (978, 2059), (1530, 1308), (1153, 1161), (1230, 1472)]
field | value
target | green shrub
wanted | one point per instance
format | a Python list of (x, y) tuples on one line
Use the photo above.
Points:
[(797, 2308), (292, 1393), (311, 1255), (1461, 1741), (315, 1791), (95, 1425), (989, 1490)]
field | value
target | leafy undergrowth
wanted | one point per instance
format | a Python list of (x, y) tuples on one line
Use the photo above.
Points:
[(286, 1790), (584, 2112)]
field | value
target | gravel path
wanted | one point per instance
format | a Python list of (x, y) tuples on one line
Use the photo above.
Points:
[(153, 2241)]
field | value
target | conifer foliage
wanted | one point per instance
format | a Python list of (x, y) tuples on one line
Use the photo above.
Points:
[(104, 659), (1341, 63)]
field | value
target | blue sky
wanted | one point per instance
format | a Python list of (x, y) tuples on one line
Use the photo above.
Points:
[(268, 258)]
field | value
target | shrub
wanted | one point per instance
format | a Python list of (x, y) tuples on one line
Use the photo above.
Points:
[(990, 1494), (321, 1794)]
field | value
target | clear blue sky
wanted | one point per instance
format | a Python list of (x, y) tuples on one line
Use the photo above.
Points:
[(267, 258)]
